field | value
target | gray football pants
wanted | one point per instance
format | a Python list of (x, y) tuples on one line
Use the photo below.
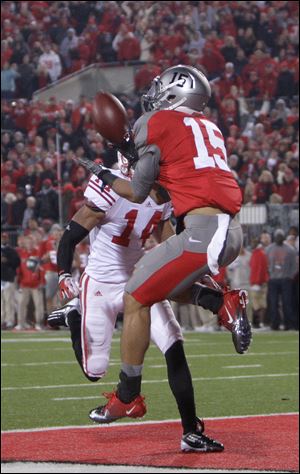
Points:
[(173, 266)]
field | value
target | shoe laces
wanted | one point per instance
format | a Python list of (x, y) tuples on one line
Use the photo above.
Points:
[(203, 437)]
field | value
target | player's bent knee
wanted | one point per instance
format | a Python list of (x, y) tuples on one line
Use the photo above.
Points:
[(130, 303), (96, 368)]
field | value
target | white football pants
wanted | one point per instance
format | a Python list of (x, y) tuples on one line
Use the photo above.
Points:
[(100, 305)]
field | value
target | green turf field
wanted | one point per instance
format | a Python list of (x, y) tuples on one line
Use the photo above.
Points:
[(43, 386)]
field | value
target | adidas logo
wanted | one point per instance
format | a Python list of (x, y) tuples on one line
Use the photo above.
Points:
[(98, 293), (148, 204)]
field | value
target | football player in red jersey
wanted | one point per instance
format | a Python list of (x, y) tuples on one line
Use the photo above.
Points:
[(185, 153)]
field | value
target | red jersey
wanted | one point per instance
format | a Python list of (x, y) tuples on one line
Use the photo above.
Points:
[(30, 277), (259, 267), (193, 160), (49, 247)]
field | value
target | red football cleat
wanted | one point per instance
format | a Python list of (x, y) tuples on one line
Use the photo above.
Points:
[(233, 316), (115, 409)]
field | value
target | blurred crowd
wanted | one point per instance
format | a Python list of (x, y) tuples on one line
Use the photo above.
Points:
[(43, 41), (248, 50), (268, 270)]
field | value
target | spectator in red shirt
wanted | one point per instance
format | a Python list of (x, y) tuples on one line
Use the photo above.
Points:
[(212, 61), (253, 87), (227, 80), (269, 80), (6, 51), (7, 186), (289, 188), (228, 114), (259, 277), (179, 57), (83, 107), (264, 188), (31, 281), (145, 75), (129, 48), (76, 202)]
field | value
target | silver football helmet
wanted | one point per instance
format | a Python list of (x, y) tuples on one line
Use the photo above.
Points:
[(176, 86)]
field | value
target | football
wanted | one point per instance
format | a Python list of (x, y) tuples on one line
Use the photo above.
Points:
[(110, 117)]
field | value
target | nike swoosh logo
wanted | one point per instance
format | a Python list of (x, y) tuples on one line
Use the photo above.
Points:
[(130, 411), (193, 240), (230, 319)]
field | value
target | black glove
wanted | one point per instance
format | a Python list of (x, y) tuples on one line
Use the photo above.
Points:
[(106, 176)]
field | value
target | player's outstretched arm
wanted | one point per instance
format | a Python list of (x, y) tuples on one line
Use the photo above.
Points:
[(145, 175), (81, 224)]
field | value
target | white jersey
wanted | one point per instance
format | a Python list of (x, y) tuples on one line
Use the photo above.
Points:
[(117, 244)]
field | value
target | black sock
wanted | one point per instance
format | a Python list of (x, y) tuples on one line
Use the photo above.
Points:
[(128, 387), (208, 298), (180, 381), (75, 329)]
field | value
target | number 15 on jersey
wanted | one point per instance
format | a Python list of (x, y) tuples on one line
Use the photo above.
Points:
[(211, 151)]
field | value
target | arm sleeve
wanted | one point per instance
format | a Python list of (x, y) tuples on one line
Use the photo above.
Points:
[(147, 168), (73, 234), (141, 136), (145, 174)]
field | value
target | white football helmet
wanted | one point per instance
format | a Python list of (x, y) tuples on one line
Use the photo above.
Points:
[(176, 86), (123, 165)]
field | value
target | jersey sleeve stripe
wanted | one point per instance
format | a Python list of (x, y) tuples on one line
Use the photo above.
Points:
[(107, 193), (100, 194), (104, 191)]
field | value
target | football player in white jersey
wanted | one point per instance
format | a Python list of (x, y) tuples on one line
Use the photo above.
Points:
[(117, 230)]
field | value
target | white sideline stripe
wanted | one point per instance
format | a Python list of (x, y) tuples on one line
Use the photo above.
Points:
[(193, 341), (35, 339), (240, 366), (77, 398), (224, 367), (60, 362), (140, 423), (197, 379), (34, 364), (117, 361), (66, 468)]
